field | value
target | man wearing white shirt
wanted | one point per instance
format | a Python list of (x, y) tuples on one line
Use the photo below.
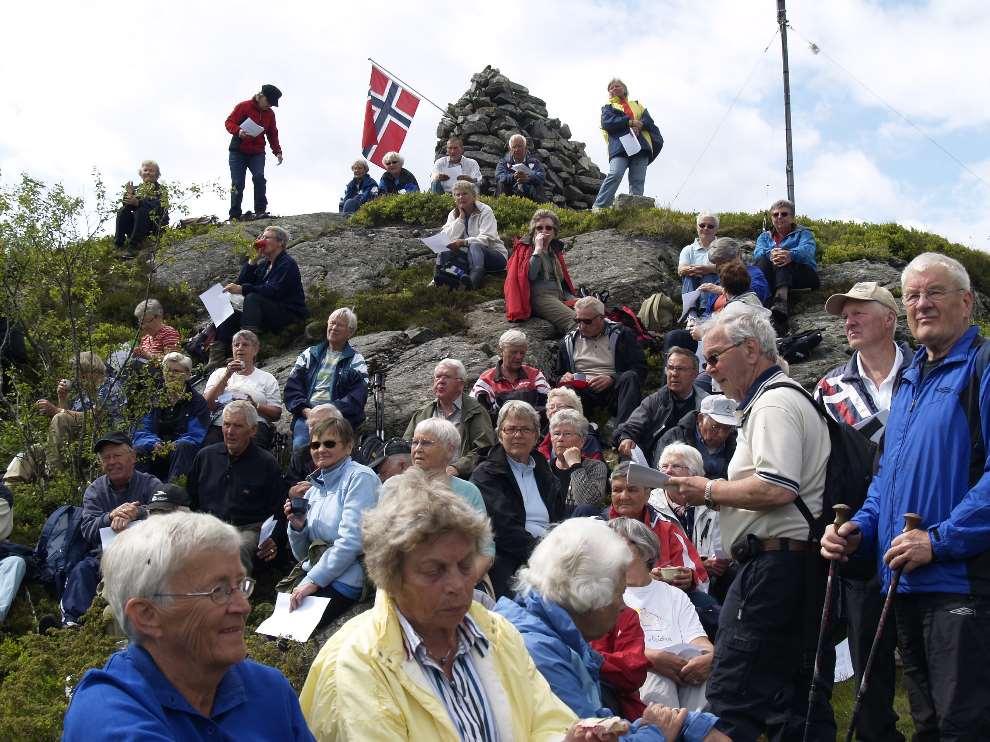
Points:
[(445, 168)]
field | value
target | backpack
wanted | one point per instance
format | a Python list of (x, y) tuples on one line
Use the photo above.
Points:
[(369, 449), (657, 312), (797, 348), (452, 270), (61, 546), (626, 316)]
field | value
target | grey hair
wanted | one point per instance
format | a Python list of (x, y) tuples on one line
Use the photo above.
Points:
[(361, 162), (518, 408), (148, 308), (248, 335), (516, 138), (444, 431), (177, 357), (455, 138), (723, 249), (676, 350), (393, 156), (578, 565), (591, 302), (640, 535), (281, 234), (620, 472), (927, 260), (568, 394), (464, 185), (783, 202), (689, 456), (243, 407), (512, 338), (88, 362), (543, 214), (326, 409), (453, 363), (740, 327), (570, 417), (415, 509), (347, 313), (625, 87), (158, 170), (144, 558), (706, 215)]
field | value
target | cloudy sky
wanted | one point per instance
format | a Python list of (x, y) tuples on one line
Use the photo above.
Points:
[(104, 85)]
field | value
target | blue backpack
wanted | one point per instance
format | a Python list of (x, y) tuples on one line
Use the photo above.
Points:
[(61, 546)]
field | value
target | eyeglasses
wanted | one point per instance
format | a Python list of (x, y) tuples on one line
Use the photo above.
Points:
[(680, 369), (316, 445), (581, 321), (780, 214), (713, 359), (935, 296), (422, 443), (220, 595), (545, 228), (706, 226), (671, 467), (517, 431), (564, 433)]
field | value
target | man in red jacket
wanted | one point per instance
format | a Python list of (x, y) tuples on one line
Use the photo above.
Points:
[(247, 148)]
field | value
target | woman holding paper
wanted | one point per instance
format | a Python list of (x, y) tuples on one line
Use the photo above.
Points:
[(633, 140), (471, 226)]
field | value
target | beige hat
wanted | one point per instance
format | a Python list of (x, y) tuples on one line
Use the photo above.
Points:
[(862, 291)]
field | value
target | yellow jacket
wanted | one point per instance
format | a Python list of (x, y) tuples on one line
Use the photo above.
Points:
[(362, 686)]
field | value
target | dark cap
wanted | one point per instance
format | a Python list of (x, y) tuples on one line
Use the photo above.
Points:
[(168, 499), (393, 447), (115, 438), (271, 93)]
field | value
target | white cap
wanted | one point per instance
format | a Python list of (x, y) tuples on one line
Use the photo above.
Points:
[(720, 408)]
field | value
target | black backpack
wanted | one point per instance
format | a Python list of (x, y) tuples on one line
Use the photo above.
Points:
[(452, 270), (61, 546), (797, 348)]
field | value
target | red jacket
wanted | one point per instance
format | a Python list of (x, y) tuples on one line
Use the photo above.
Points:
[(254, 145), (625, 665), (516, 287)]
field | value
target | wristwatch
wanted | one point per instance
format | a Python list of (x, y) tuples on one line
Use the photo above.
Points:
[(709, 503)]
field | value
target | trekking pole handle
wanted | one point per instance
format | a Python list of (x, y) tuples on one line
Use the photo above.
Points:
[(912, 521), (842, 513)]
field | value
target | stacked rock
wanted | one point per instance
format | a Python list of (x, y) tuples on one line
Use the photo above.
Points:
[(495, 108)]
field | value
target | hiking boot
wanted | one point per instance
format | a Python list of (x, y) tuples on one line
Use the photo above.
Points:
[(263, 215)]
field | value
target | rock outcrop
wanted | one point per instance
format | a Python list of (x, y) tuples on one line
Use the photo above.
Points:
[(493, 109)]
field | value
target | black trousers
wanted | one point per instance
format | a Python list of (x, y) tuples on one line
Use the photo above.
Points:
[(765, 651), (793, 275), (134, 223), (622, 397), (260, 313), (945, 644), (863, 601)]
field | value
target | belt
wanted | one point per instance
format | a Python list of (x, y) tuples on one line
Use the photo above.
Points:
[(751, 546), (785, 544)]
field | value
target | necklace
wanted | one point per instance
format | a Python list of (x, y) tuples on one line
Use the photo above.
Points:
[(442, 660)]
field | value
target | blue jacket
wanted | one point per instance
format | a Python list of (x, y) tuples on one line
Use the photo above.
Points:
[(405, 183), (367, 189), (571, 666), (505, 174), (925, 469), (349, 388), (100, 498), (187, 420), (130, 698), (283, 284), (757, 284), (800, 242), (615, 123)]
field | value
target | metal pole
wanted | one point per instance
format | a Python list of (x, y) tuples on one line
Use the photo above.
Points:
[(782, 22)]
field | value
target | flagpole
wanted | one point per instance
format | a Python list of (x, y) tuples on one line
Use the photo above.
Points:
[(423, 97)]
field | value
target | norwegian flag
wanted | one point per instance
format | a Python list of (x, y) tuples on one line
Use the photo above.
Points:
[(388, 114)]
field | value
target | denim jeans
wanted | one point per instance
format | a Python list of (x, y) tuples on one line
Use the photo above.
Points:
[(617, 167), (239, 165)]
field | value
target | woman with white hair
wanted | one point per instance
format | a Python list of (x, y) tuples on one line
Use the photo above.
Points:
[(584, 481), (157, 338), (396, 179), (361, 189), (694, 265), (511, 378), (570, 593), (144, 209), (473, 246), (565, 398), (176, 585)]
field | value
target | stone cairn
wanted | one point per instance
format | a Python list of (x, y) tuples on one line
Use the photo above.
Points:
[(495, 108)]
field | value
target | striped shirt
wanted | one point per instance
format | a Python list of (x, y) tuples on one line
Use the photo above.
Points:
[(462, 694), (156, 345)]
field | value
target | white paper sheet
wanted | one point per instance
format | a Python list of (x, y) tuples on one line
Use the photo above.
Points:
[(684, 651), (689, 302), (645, 476), (638, 457), (630, 143), (267, 529), (843, 662), (217, 303), (437, 243), (107, 535), (297, 625), (252, 128), (522, 167)]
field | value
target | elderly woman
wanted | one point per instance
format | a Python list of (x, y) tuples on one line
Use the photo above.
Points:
[(396, 179), (676, 678), (511, 378), (272, 289), (734, 284), (157, 338), (537, 282), (621, 117), (144, 209), (786, 255), (565, 398), (694, 265), (325, 528), (427, 662), (241, 379), (176, 585), (584, 481), (521, 494), (361, 189), (571, 593), (473, 237)]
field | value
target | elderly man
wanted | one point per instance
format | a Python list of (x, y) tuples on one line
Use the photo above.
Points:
[(519, 173), (935, 463), (172, 432), (767, 633), (394, 459), (511, 378), (240, 483), (452, 403), (663, 409), (711, 430), (454, 167), (331, 371), (786, 255), (144, 209), (272, 289), (157, 338), (602, 361), (247, 149), (114, 500)]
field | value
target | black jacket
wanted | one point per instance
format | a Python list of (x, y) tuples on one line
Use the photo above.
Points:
[(648, 422), (626, 351), (504, 502), (684, 432), (240, 491)]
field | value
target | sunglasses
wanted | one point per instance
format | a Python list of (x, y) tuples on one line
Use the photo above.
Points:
[(780, 214), (713, 359), (542, 228), (706, 226), (316, 445), (587, 321)]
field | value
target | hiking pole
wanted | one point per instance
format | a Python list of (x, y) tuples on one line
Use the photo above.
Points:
[(911, 522), (842, 513)]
